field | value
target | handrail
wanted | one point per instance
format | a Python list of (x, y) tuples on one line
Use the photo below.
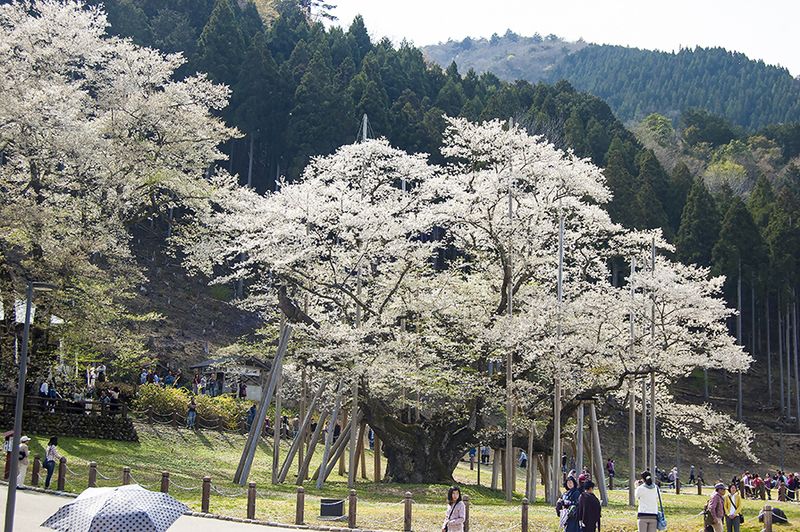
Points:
[(36, 403)]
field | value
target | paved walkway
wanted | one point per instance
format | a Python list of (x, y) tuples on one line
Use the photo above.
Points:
[(34, 507)]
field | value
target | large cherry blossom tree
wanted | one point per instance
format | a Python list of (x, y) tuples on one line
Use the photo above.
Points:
[(399, 273)]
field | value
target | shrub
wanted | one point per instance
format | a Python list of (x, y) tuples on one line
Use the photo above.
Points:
[(165, 401)]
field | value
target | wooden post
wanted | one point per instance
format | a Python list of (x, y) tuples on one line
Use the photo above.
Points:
[(126, 475), (768, 518), (303, 430), (699, 488), (251, 500), (376, 459), (165, 482), (300, 506), (175, 419), (466, 513), (351, 509), (62, 473), (206, 495), (340, 447), (525, 515), (677, 486), (530, 467), (37, 466), (352, 462), (407, 513), (92, 475)]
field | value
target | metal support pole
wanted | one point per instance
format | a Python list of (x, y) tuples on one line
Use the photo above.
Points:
[(11, 498)]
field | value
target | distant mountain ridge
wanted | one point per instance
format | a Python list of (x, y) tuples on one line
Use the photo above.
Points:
[(636, 82)]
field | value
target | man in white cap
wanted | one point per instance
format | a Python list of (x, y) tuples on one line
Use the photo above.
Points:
[(23, 460)]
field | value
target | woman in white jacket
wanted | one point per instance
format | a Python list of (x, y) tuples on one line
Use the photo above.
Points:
[(456, 512), (647, 495)]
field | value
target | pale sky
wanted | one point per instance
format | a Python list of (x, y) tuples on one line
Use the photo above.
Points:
[(762, 29)]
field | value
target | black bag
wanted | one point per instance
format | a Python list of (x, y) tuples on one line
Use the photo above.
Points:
[(741, 518)]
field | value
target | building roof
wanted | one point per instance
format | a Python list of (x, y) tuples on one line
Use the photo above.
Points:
[(233, 359)]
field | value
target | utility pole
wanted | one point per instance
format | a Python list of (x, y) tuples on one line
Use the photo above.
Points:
[(632, 400), (555, 480), (507, 471)]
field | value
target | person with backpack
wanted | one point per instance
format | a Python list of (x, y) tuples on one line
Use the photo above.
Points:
[(649, 497), (456, 512), (589, 509), (716, 507), (733, 509), (567, 506), (23, 460)]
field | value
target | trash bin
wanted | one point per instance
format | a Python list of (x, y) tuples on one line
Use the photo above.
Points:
[(331, 507)]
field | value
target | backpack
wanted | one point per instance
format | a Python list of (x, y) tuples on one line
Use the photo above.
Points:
[(708, 519)]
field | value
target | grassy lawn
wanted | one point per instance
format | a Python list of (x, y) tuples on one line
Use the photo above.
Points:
[(189, 456)]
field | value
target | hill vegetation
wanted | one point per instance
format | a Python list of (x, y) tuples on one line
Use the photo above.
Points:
[(636, 82)]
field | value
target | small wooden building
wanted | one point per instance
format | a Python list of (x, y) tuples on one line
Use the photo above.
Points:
[(231, 370)]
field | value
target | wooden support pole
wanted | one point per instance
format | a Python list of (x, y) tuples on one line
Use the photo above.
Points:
[(276, 430), (302, 475), (302, 430), (251, 500), (631, 442), (342, 467), (598, 454), (329, 436), (407, 512), (205, 495), (253, 437), (126, 475), (165, 482), (341, 448), (495, 467), (297, 443), (352, 505), (530, 471), (376, 459), (354, 438), (359, 448), (557, 474), (300, 506), (504, 476), (579, 439), (768, 518), (92, 475), (362, 452)]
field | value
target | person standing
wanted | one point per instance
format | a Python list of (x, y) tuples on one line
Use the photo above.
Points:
[(647, 495), (23, 460), (51, 457), (567, 506), (251, 416), (610, 468), (523, 459), (716, 507), (691, 475), (8, 443), (733, 509), (485, 454), (456, 512), (589, 509), (191, 414)]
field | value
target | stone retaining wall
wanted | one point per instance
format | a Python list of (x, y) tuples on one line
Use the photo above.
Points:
[(80, 425)]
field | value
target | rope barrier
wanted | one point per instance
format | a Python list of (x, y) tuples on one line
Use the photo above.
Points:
[(237, 493), (148, 486), (173, 484), (99, 474)]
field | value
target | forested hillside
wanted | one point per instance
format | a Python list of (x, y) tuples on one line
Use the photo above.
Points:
[(636, 82), (728, 200)]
